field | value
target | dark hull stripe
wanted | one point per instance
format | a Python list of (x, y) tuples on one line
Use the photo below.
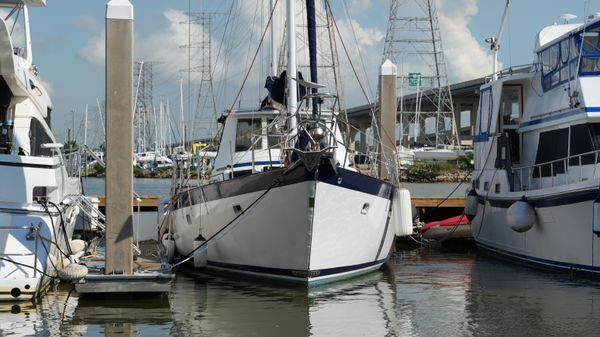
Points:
[(258, 163), (43, 166), (262, 181), (565, 199), (538, 262), (300, 275)]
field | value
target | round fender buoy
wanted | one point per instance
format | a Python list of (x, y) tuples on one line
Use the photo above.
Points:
[(72, 272), (520, 216)]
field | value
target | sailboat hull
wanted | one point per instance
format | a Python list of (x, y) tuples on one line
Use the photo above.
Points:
[(299, 225)]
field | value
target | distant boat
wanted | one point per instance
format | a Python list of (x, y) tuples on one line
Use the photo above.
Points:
[(152, 160), (457, 227), (40, 185)]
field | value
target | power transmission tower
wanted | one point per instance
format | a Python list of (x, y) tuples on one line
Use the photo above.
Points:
[(144, 113), (414, 43), (205, 111)]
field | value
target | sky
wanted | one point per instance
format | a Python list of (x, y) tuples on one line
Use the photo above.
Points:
[(68, 38)]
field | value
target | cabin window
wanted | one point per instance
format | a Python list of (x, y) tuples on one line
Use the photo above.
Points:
[(590, 61), (248, 134), (37, 137), (584, 141), (581, 142), (485, 110), (552, 146), (559, 62), (273, 134), (510, 105)]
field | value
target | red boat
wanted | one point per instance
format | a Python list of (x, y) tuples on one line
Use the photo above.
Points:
[(457, 227)]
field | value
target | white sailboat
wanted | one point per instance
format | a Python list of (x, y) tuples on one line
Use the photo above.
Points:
[(283, 200), (36, 221), (536, 177)]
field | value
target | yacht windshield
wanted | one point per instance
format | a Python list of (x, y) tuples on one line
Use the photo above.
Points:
[(590, 57)]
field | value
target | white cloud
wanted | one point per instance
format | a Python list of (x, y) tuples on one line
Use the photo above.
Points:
[(365, 36), (87, 22), (465, 57), (93, 50), (359, 6)]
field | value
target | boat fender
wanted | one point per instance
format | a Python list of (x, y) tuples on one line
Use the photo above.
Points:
[(77, 245), (402, 213), (471, 204), (71, 213), (520, 216), (200, 256), (169, 244), (72, 272)]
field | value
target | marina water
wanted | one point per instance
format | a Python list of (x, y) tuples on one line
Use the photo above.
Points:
[(421, 292)]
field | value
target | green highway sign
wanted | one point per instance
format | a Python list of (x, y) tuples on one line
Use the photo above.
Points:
[(414, 79)]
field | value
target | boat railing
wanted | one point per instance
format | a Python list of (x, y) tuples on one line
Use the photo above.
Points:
[(520, 69), (72, 161), (558, 172), (31, 233)]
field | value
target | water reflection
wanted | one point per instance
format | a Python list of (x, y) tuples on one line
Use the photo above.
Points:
[(237, 308), (422, 293), (511, 300)]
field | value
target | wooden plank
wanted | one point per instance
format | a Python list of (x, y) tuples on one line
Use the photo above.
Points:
[(435, 201), (146, 202)]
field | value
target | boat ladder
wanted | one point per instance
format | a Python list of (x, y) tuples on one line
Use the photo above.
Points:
[(96, 217)]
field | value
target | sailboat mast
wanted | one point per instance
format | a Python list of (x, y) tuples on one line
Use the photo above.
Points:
[(291, 67), (273, 52), (312, 46), (182, 121)]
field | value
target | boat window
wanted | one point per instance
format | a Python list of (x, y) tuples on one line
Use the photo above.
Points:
[(248, 132), (552, 146), (591, 43), (550, 59), (38, 136), (510, 105), (485, 110), (590, 60), (559, 62), (581, 142), (274, 134)]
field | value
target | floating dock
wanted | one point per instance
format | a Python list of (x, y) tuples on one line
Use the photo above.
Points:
[(146, 278)]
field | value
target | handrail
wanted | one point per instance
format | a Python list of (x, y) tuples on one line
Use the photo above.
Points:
[(568, 167)]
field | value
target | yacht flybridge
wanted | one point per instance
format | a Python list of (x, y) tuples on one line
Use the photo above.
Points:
[(537, 146)]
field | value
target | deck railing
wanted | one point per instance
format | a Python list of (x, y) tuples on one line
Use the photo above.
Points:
[(572, 169)]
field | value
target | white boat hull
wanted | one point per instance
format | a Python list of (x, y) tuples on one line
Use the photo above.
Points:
[(306, 230), (561, 237), (28, 266)]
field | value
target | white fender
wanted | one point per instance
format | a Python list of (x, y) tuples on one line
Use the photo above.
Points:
[(471, 203), (520, 216), (169, 244), (77, 245), (402, 218), (71, 213), (200, 256)]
